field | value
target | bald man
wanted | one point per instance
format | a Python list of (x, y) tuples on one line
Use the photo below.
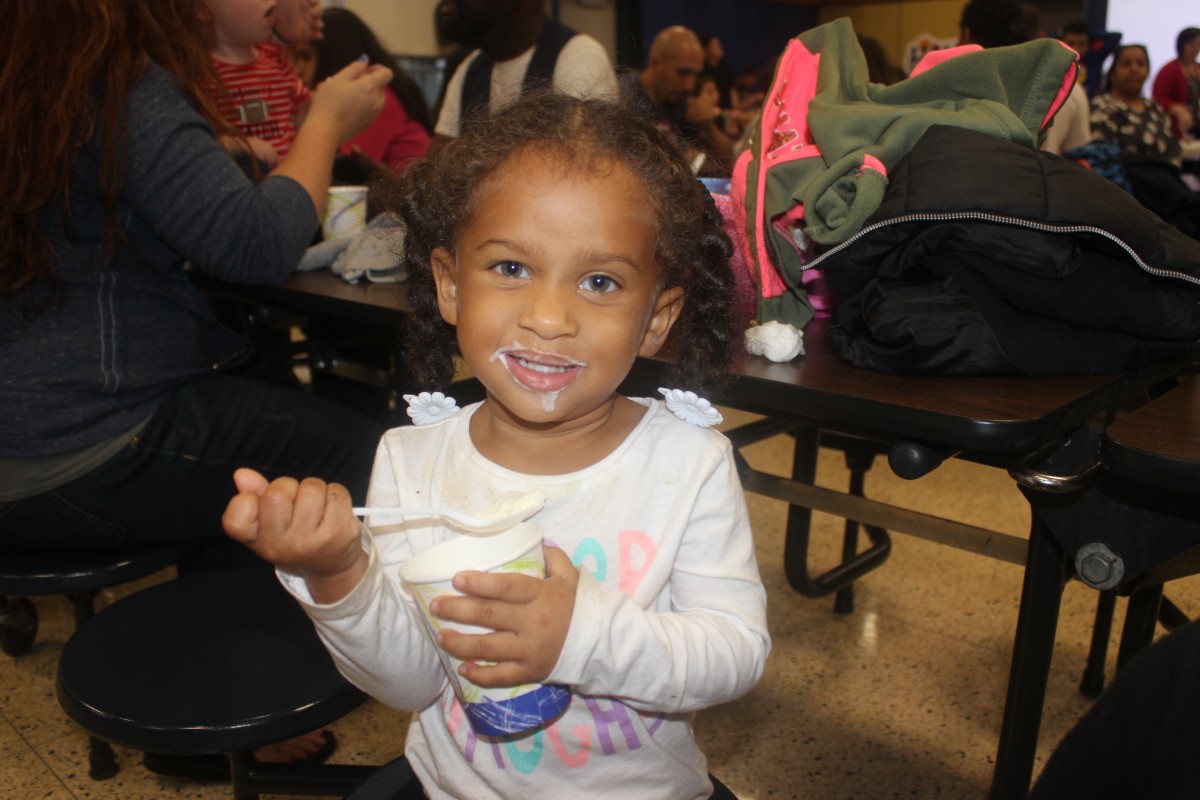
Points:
[(665, 89)]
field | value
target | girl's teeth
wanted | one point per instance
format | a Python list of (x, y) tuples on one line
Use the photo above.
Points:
[(531, 365)]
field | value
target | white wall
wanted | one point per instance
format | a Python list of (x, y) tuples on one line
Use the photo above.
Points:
[(1154, 23), (406, 26), (596, 20), (403, 26)]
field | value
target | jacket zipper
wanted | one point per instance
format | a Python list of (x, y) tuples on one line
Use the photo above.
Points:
[(1005, 220)]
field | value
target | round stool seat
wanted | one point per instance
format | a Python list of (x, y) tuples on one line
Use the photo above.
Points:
[(66, 572), (216, 662)]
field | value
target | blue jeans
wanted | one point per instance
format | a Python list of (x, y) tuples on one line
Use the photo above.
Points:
[(174, 479)]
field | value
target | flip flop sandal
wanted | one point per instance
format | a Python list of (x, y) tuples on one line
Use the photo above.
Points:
[(214, 767)]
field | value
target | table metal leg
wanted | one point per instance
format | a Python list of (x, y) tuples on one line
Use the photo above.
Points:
[(1092, 683), (803, 497), (799, 518), (1041, 595)]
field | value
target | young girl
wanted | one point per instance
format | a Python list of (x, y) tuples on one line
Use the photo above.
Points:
[(551, 246)]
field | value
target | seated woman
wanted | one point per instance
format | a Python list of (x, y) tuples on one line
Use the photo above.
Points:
[(1142, 130), (401, 133), (122, 418), (1177, 85)]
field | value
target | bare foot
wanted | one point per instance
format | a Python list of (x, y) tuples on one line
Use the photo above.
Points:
[(291, 750)]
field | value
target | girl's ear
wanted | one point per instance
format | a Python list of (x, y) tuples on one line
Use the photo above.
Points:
[(666, 310), (442, 264)]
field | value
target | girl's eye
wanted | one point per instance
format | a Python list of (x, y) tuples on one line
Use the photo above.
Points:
[(599, 284), (511, 269)]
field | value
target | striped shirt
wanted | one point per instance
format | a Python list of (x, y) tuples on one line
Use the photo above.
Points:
[(264, 96)]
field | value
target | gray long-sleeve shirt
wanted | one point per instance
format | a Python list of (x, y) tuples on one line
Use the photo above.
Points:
[(127, 331)]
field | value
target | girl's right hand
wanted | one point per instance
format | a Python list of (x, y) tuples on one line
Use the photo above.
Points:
[(350, 100), (306, 527)]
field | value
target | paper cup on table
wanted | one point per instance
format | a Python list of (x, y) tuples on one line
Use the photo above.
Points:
[(345, 212), (492, 712)]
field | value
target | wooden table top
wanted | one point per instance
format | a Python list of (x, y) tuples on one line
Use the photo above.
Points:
[(320, 292), (984, 414), (987, 414), (1159, 443)]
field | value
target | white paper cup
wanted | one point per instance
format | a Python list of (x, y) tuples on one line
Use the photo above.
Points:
[(345, 211), (492, 712)]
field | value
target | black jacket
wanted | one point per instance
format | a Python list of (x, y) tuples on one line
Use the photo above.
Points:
[(987, 257)]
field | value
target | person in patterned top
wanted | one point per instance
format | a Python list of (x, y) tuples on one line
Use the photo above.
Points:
[(1151, 154)]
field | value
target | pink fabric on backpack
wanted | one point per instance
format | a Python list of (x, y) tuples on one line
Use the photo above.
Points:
[(784, 123), (1067, 85), (935, 57)]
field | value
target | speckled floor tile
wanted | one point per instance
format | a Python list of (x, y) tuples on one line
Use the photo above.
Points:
[(25, 776), (900, 699)]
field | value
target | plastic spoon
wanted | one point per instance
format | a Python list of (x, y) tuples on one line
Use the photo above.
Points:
[(509, 509)]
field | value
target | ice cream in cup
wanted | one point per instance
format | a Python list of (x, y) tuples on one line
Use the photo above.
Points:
[(345, 212), (499, 711)]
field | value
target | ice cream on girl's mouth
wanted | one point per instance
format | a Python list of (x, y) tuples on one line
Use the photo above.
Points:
[(546, 374)]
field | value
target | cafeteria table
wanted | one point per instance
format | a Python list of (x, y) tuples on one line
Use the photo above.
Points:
[(1160, 442), (351, 340), (1136, 526), (1156, 449), (1010, 422)]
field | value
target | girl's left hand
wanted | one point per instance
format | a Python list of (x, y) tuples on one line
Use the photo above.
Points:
[(529, 616)]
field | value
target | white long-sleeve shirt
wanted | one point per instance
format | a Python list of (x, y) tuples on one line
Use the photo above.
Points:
[(669, 618)]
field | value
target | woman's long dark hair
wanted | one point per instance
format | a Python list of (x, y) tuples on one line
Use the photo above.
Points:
[(346, 38), (1185, 36), (69, 67)]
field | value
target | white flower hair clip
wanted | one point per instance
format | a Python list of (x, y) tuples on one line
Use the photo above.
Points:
[(691, 408), (777, 341), (427, 408)]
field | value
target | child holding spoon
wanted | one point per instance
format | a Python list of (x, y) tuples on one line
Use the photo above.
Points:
[(550, 247)]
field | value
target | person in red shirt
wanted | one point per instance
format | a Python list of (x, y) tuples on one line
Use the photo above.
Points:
[(1177, 85), (402, 131)]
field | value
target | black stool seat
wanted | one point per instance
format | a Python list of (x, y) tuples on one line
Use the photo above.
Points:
[(67, 572), (79, 575), (212, 663)]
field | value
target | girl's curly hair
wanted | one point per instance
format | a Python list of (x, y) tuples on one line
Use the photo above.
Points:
[(437, 197)]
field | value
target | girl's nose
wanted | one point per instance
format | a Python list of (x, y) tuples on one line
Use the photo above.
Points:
[(548, 312)]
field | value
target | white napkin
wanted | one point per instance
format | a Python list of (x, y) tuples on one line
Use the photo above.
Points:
[(375, 253)]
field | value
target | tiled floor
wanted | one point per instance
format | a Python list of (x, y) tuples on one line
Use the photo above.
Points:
[(901, 698)]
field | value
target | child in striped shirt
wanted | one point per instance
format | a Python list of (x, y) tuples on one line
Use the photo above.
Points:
[(263, 96)]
